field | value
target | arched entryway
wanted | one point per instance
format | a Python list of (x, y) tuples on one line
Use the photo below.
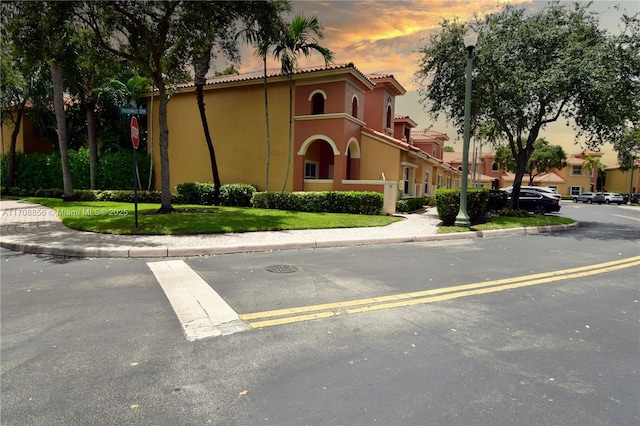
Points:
[(315, 163), (353, 160)]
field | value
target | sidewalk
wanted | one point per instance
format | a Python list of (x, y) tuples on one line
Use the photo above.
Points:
[(32, 228)]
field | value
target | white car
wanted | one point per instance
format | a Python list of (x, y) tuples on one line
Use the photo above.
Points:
[(544, 189), (613, 198)]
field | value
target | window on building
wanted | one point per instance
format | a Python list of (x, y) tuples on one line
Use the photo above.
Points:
[(427, 179), (389, 122), (406, 172), (448, 181), (494, 167), (354, 107), (575, 190), (439, 182), (407, 134), (576, 170), (310, 170), (317, 104)]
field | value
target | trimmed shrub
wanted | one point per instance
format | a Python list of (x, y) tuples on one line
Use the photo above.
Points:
[(236, 194), (448, 204), (352, 202), (189, 193), (497, 200), (410, 204)]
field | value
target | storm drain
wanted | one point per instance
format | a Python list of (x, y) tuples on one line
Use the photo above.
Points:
[(281, 269)]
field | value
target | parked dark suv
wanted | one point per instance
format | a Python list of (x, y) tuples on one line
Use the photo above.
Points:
[(589, 197), (538, 202)]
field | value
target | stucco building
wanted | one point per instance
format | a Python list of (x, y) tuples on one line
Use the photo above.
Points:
[(346, 135), (573, 179)]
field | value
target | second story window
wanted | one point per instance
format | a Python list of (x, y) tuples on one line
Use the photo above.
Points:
[(317, 104), (389, 116), (354, 107)]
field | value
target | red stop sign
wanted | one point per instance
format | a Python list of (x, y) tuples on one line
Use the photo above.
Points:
[(135, 132)]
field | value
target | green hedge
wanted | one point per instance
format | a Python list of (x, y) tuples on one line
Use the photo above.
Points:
[(352, 202), (114, 171), (410, 204), (120, 195), (235, 194), (448, 204), (497, 200)]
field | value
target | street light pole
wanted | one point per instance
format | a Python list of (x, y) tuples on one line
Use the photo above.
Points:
[(470, 40), (633, 163)]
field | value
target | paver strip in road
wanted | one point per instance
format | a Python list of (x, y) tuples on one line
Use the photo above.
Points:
[(201, 311)]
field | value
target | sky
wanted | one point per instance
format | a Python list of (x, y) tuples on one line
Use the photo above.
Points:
[(385, 36)]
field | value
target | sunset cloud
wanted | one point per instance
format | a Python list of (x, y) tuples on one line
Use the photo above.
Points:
[(386, 36)]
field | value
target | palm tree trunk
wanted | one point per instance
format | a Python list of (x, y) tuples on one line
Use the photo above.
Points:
[(266, 113), (58, 104), (92, 139), (200, 80), (289, 152)]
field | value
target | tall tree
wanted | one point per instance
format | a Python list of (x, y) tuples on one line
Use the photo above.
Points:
[(544, 159), (628, 148), (263, 27), (531, 69), (42, 31), (209, 28), (146, 34), (90, 68), (590, 163), (14, 91), (300, 37)]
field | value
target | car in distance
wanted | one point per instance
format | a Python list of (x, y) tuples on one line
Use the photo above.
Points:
[(544, 189), (538, 202), (613, 198), (589, 197)]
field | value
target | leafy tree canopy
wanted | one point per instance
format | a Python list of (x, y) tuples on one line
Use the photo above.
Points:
[(628, 148), (544, 159), (531, 69)]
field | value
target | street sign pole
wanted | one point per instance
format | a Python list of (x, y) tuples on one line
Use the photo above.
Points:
[(135, 141), (135, 184)]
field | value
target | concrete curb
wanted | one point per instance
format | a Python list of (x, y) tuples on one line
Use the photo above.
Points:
[(165, 251)]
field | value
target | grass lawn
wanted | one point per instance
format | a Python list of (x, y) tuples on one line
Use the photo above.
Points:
[(504, 222), (119, 218)]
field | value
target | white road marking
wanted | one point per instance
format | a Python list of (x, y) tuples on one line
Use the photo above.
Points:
[(201, 311)]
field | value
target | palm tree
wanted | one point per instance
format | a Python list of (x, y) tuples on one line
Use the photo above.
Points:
[(300, 37), (264, 27), (590, 162)]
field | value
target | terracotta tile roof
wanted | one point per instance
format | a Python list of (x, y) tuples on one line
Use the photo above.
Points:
[(389, 81), (546, 178), (273, 72), (427, 135)]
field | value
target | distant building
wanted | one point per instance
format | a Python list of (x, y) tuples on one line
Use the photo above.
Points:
[(573, 179)]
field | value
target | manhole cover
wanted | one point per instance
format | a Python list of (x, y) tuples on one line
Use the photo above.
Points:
[(281, 269)]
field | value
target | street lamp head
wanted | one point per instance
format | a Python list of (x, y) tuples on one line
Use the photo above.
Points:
[(470, 39)]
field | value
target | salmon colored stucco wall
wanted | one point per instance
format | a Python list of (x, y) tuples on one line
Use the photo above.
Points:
[(236, 120)]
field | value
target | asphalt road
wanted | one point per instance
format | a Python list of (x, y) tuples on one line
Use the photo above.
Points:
[(536, 329)]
